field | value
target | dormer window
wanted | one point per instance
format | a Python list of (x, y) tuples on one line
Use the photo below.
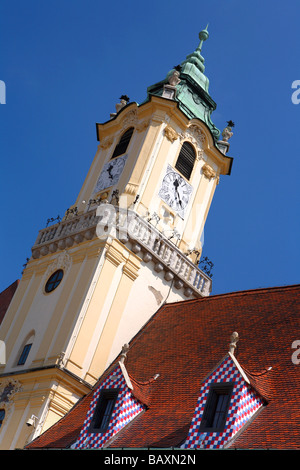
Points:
[(216, 408), (186, 160), (113, 407), (121, 147), (103, 410)]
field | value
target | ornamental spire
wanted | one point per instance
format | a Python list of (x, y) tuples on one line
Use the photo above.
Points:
[(188, 85), (203, 35), (195, 57)]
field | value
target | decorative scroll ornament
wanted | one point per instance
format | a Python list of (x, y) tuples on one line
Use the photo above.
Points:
[(8, 389), (170, 134), (200, 154), (63, 261), (208, 172), (130, 118), (194, 134)]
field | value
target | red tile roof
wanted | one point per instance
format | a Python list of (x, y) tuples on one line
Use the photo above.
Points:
[(182, 343), (6, 297), (142, 390)]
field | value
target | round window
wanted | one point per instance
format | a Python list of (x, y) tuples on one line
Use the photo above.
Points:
[(54, 280)]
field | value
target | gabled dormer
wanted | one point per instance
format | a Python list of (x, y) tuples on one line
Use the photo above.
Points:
[(116, 401), (227, 401)]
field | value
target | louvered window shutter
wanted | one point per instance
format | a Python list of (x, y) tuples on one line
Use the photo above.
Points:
[(121, 147), (186, 160)]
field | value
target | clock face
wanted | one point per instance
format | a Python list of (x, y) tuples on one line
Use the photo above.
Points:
[(175, 191), (110, 173)]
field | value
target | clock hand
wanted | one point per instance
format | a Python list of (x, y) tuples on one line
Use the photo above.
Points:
[(179, 200), (109, 171), (177, 196), (176, 184)]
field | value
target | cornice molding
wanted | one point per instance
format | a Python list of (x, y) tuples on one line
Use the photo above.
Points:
[(131, 269), (132, 189), (114, 256)]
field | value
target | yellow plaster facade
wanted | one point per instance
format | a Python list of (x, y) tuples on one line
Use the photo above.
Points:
[(111, 286)]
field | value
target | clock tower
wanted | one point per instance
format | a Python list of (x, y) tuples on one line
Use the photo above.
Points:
[(129, 243)]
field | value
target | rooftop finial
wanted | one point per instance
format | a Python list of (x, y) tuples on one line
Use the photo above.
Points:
[(227, 132), (203, 35), (234, 339), (226, 135), (125, 349), (195, 58)]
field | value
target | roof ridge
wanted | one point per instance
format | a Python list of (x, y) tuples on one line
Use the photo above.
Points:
[(238, 293), (167, 305)]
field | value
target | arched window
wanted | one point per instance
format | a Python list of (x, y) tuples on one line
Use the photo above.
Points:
[(25, 349), (186, 160), (121, 147), (24, 354)]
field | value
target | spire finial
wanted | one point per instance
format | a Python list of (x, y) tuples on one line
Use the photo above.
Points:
[(203, 35), (234, 339), (125, 349)]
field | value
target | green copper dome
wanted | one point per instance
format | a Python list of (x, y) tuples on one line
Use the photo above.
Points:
[(192, 90)]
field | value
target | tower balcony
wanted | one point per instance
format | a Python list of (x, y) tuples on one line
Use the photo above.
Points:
[(137, 234)]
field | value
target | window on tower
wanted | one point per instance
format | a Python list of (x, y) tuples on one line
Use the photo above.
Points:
[(24, 354), (186, 159), (123, 143), (2, 416), (216, 408), (54, 280), (104, 410)]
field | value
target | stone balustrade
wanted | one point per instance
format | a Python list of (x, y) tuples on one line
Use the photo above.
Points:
[(134, 231), (65, 234), (149, 242)]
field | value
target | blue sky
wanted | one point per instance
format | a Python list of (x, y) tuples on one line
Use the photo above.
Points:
[(65, 63)]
